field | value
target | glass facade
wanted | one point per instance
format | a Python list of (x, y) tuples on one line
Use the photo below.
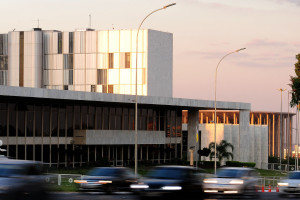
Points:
[(48, 120), (95, 61), (3, 58)]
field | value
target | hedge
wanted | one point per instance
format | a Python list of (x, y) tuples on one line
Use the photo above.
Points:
[(240, 164)]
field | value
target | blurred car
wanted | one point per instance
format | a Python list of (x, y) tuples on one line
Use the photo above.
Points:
[(290, 185), (170, 181), (107, 179), (232, 181), (22, 179)]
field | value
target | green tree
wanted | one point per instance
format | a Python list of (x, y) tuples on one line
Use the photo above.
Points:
[(295, 83), (222, 150)]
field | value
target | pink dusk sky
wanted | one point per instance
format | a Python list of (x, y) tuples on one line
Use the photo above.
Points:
[(203, 32)]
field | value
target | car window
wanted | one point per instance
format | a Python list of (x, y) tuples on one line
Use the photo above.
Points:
[(231, 173), (168, 173), (7, 170), (103, 172), (294, 175)]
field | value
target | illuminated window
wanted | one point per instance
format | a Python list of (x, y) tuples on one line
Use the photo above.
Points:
[(111, 60), (127, 60)]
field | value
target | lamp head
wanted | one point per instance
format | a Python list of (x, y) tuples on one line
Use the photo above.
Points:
[(172, 4), (240, 49)]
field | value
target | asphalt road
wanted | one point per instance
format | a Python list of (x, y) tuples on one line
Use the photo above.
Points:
[(129, 196)]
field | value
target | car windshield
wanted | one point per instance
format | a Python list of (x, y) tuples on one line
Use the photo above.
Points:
[(7, 170), (103, 172), (294, 175), (167, 173), (230, 173)]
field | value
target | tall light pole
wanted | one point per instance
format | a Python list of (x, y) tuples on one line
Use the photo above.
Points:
[(280, 131), (288, 132), (136, 83), (215, 117)]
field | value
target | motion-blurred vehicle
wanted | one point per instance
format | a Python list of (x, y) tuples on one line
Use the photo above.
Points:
[(232, 181), (107, 179), (22, 179), (290, 185), (170, 181)]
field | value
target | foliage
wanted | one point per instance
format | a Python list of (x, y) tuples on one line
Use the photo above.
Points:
[(240, 164), (295, 83), (204, 152), (222, 151)]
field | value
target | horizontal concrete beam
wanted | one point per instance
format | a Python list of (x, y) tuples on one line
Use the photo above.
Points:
[(117, 137)]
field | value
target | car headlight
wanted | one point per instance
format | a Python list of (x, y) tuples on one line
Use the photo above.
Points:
[(236, 182), (80, 181), (139, 186), (104, 182), (210, 181), (171, 188), (283, 184)]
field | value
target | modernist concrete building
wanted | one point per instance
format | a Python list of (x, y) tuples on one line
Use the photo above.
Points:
[(89, 60), (72, 128), (55, 106)]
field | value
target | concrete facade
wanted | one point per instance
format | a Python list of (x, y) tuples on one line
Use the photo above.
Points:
[(248, 147)]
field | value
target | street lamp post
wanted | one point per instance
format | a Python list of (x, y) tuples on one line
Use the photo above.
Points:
[(288, 132), (280, 131), (215, 117), (136, 94)]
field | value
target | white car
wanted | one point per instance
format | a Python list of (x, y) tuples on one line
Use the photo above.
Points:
[(290, 185), (232, 181)]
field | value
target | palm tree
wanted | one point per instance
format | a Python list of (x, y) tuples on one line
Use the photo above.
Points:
[(221, 150)]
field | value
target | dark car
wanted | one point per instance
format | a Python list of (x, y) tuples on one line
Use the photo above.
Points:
[(171, 181), (107, 179), (22, 179)]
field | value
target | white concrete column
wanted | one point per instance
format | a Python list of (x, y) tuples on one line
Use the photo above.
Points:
[(193, 125), (243, 144)]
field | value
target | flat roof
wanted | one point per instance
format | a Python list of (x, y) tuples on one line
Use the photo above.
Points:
[(42, 93)]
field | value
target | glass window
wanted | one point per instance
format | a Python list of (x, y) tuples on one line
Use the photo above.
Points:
[(68, 61), (84, 115), (105, 118), (21, 123), (62, 121), (1, 44), (91, 117), (131, 118), (71, 42), (77, 117), (12, 119), (59, 44), (54, 118), (99, 118), (70, 117), (118, 118), (127, 60), (112, 119), (110, 89), (111, 60), (42, 123), (3, 123), (101, 76), (125, 119)]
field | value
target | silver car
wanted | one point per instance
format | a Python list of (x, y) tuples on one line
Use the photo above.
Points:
[(232, 181), (290, 185)]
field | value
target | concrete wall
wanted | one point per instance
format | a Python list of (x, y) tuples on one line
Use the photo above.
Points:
[(250, 146), (160, 64), (117, 137)]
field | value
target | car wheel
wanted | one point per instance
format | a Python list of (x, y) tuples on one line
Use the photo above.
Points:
[(110, 189), (251, 192)]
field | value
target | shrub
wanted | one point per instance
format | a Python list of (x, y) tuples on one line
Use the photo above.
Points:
[(240, 164)]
